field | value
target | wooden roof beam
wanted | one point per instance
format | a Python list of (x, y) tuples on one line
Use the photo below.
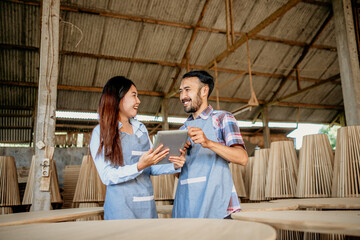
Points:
[(187, 52), (301, 58), (156, 62), (318, 3), (304, 90), (162, 94), (266, 22), (173, 24)]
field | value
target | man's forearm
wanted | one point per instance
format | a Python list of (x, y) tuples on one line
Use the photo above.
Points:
[(234, 154)]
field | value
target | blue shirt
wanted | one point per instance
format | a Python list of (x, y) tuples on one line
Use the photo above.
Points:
[(225, 126), (114, 175)]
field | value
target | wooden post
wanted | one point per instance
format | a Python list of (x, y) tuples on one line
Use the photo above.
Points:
[(266, 129), (298, 78), (164, 110), (216, 86), (232, 23), (348, 59), (187, 62), (228, 28), (47, 90)]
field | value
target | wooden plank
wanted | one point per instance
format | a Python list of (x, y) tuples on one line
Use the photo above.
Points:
[(268, 206), (160, 229), (323, 203), (329, 222), (48, 216)]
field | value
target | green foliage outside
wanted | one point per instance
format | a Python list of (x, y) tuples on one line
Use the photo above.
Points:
[(331, 132)]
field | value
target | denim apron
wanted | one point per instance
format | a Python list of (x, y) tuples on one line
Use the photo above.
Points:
[(134, 198), (205, 181)]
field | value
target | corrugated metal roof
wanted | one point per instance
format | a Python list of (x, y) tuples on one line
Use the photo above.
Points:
[(91, 46)]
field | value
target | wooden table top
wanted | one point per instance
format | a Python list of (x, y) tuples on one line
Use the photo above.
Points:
[(49, 216), (330, 222), (323, 203), (245, 207), (268, 206), (159, 229)]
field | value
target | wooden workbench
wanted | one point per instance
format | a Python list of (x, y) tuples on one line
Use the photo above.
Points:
[(61, 215), (159, 229), (245, 207), (323, 203), (329, 222)]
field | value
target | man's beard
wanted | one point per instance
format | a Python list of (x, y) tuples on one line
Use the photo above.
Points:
[(194, 105)]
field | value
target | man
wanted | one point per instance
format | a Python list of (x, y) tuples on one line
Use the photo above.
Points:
[(206, 188)]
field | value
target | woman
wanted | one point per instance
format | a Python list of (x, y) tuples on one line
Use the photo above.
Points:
[(123, 155)]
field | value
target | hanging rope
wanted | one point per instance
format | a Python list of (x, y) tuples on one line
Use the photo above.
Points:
[(253, 100)]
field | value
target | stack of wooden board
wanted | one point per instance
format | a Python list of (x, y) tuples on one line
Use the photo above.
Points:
[(248, 175), (346, 177), (90, 191), (257, 192), (282, 170), (163, 186), (163, 191), (238, 178), (71, 175), (315, 167), (9, 188)]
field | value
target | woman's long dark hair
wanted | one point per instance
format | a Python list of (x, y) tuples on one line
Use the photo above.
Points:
[(114, 90)]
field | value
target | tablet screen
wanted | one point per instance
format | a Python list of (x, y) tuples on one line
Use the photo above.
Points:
[(173, 139)]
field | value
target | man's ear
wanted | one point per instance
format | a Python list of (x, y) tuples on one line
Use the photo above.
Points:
[(205, 91)]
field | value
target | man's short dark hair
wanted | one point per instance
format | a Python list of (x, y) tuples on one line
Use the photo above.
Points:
[(203, 76)]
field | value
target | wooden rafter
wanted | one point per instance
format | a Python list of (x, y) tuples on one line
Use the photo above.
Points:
[(304, 53), (319, 3), (175, 24), (156, 62), (187, 52), (229, 42), (161, 94), (298, 85), (304, 90), (232, 22), (231, 80), (266, 22)]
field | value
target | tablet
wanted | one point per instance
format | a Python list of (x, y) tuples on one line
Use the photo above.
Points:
[(173, 139)]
